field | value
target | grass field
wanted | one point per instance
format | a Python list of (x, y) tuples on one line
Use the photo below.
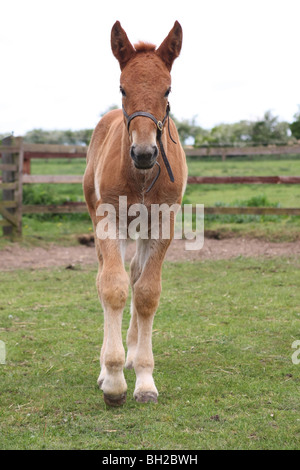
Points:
[(222, 342)]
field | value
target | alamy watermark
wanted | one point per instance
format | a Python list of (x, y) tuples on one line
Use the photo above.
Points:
[(152, 222), (296, 354), (2, 352)]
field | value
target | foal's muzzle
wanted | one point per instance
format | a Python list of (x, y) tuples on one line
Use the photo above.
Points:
[(144, 156)]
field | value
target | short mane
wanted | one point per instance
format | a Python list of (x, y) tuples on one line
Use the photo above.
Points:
[(144, 47)]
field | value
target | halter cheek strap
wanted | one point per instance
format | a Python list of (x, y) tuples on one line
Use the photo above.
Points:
[(159, 127)]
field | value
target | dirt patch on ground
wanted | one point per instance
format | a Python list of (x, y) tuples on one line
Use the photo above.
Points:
[(18, 257)]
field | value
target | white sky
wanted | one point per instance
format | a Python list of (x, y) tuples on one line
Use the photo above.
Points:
[(239, 59)]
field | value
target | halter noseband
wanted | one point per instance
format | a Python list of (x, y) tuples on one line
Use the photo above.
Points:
[(159, 126)]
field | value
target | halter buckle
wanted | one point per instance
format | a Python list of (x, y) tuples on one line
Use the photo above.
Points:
[(160, 126)]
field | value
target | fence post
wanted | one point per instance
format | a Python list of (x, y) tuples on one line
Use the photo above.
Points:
[(12, 194), (26, 165), (7, 177), (224, 155), (19, 179)]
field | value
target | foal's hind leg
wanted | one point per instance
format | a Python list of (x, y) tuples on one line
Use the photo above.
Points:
[(132, 334)]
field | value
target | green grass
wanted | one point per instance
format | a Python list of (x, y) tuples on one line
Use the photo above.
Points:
[(244, 167), (281, 195), (222, 343)]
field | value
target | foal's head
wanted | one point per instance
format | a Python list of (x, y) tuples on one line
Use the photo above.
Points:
[(145, 85)]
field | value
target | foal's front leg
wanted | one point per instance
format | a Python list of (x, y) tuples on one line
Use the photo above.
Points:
[(146, 294), (112, 284)]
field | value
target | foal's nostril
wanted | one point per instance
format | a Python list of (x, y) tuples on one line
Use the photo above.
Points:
[(132, 152), (155, 151)]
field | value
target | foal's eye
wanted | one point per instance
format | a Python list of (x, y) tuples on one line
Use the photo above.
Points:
[(122, 91), (168, 92)]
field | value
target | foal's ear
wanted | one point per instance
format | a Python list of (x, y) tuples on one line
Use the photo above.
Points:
[(120, 44), (171, 46)]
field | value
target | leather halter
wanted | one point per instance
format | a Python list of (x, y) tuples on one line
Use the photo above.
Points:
[(159, 127)]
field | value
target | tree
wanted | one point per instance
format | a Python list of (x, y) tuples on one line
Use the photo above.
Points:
[(187, 129), (269, 130), (228, 134), (64, 137), (263, 131), (295, 126)]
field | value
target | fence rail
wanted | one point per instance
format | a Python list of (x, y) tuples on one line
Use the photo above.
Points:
[(79, 151), (224, 152), (70, 179), (77, 207), (15, 167)]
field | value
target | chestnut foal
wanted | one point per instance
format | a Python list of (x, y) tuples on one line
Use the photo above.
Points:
[(132, 153)]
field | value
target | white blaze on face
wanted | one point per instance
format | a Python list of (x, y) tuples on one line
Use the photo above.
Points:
[(143, 141)]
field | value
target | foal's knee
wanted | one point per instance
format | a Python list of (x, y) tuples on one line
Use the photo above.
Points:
[(113, 289), (146, 297)]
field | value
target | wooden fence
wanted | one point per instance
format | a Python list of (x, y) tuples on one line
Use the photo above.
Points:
[(16, 156), (77, 151), (224, 152), (11, 167)]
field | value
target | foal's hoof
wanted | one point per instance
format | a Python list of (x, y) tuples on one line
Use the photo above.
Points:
[(146, 397), (115, 400)]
